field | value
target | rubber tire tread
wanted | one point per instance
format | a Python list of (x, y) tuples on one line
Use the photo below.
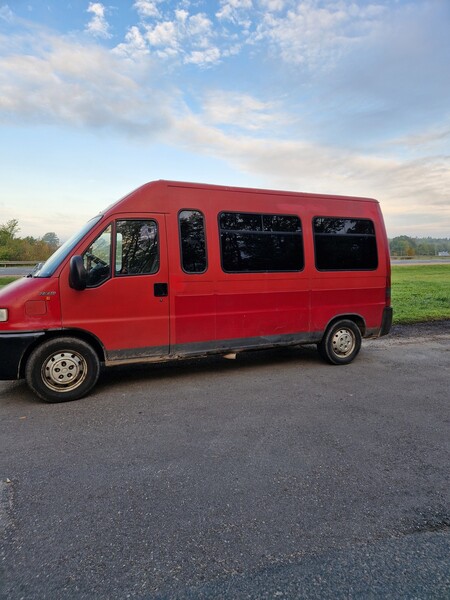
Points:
[(41, 354), (325, 347)]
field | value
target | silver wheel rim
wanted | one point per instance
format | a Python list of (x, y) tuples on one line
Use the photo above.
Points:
[(343, 342), (64, 371)]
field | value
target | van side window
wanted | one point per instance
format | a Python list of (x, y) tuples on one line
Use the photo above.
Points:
[(192, 241), (252, 243), (97, 259), (345, 244), (137, 251)]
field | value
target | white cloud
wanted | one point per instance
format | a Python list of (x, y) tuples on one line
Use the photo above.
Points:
[(147, 8), (134, 46), (273, 5), (74, 84), (240, 111), (163, 34), (188, 37), (203, 57), (236, 11), (433, 139), (315, 33), (98, 25)]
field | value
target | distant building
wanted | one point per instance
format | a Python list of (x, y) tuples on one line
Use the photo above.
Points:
[(444, 253)]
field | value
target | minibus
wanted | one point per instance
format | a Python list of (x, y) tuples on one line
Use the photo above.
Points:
[(176, 270)]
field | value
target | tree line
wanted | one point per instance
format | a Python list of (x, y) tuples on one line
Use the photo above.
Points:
[(13, 247), (404, 245)]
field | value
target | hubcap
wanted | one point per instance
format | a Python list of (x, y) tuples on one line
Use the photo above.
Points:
[(64, 371), (343, 342)]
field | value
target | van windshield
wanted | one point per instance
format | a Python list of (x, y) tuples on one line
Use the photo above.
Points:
[(50, 266)]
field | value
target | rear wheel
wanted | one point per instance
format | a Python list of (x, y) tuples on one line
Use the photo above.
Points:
[(341, 343), (62, 369)]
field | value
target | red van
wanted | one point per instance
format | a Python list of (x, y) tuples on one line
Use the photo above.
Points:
[(177, 270)]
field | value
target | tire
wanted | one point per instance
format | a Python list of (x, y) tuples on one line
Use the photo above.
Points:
[(341, 343), (62, 369)]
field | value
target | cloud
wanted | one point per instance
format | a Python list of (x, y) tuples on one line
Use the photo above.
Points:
[(315, 33), (147, 8), (186, 37), (240, 111), (203, 57), (134, 47), (70, 83), (404, 187), (47, 78), (235, 11), (432, 139), (98, 25), (6, 13)]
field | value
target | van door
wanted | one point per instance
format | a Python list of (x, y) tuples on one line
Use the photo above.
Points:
[(125, 304)]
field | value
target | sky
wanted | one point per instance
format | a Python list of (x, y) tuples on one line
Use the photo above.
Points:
[(332, 96)]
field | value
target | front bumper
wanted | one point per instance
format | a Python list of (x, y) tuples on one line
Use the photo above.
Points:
[(12, 349)]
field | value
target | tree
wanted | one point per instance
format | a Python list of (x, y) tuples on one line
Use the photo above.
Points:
[(403, 246), (9, 230), (51, 239), (29, 248)]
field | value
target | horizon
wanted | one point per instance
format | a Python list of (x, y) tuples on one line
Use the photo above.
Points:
[(317, 96)]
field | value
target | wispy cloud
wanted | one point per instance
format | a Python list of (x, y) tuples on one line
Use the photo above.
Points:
[(98, 26), (6, 13), (316, 34), (69, 83), (240, 111)]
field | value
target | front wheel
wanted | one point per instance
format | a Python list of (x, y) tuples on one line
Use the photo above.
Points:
[(62, 369), (341, 343)]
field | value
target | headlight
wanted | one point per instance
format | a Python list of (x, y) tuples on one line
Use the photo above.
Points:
[(3, 315)]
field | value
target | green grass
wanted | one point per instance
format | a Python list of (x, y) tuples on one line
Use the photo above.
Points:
[(6, 280), (421, 293)]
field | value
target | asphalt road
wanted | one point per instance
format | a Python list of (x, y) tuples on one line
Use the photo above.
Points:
[(272, 476), (15, 271)]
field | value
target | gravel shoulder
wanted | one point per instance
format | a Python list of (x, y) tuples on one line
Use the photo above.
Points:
[(428, 331)]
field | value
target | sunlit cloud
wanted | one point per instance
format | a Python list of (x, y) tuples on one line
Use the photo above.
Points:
[(98, 25)]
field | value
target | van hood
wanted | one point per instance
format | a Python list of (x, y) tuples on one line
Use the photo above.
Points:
[(33, 304)]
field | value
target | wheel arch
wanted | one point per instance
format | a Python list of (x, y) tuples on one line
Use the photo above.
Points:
[(356, 318), (80, 334)]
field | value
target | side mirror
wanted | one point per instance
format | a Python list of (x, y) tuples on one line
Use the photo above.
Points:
[(77, 274)]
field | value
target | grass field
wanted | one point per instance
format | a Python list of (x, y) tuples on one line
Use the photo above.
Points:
[(419, 292), (6, 280)]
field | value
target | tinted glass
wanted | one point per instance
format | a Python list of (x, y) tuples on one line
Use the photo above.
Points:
[(281, 223), (193, 241), (345, 244), (265, 243), (343, 226), (137, 251), (241, 222)]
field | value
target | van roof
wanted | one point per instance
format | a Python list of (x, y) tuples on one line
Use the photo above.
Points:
[(159, 188), (249, 190)]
